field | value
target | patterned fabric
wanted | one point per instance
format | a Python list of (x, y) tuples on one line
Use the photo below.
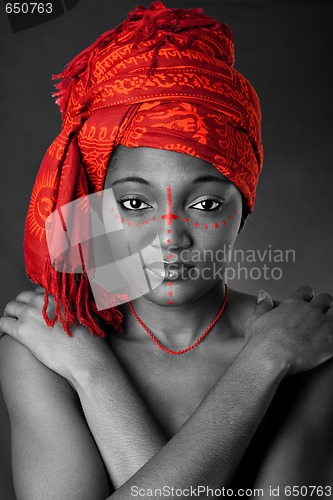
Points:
[(165, 79)]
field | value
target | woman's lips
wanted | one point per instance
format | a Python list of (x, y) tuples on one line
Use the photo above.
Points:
[(170, 270)]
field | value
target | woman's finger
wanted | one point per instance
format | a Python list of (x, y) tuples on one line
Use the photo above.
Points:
[(15, 308), (9, 325), (329, 312), (27, 296), (324, 301), (304, 292)]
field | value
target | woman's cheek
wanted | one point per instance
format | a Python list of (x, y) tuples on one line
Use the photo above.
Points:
[(140, 231)]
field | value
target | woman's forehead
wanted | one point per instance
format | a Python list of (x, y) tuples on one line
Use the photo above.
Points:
[(157, 164)]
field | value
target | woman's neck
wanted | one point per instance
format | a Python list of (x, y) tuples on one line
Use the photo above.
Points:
[(178, 326)]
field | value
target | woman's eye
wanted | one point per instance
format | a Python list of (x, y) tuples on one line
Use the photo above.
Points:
[(134, 204), (208, 205)]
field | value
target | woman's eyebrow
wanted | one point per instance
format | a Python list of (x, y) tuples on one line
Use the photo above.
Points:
[(140, 180)]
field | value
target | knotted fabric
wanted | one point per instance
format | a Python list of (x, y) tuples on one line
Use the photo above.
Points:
[(164, 79)]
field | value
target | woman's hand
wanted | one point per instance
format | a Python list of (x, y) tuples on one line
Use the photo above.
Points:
[(299, 330), (23, 320)]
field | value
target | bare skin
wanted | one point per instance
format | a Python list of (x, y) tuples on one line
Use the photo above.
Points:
[(232, 397)]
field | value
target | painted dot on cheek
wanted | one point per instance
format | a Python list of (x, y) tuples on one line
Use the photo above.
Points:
[(186, 219), (169, 283), (196, 224), (122, 219), (224, 223), (139, 224), (168, 240), (205, 226), (169, 231), (230, 217), (216, 224), (129, 223), (153, 218), (146, 221), (170, 302)]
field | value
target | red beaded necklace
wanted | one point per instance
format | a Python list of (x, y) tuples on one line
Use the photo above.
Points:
[(197, 342)]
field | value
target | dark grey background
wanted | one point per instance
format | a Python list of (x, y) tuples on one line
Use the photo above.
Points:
[(283, 48)]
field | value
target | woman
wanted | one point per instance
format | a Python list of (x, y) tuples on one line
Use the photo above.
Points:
[(195, 390)]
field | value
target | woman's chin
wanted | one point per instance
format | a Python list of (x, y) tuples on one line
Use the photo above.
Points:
[(179, 292)]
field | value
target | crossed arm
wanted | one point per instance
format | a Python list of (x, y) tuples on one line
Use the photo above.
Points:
[(55, 455), (53, 450)]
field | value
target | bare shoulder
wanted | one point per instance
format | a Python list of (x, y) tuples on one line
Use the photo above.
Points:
[(23, 378), (309, 393), (313, 396), (241, 306)]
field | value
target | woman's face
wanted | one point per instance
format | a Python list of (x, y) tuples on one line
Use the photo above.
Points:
[(185, 201)]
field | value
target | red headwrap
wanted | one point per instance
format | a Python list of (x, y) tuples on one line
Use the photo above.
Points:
[(164, 79)]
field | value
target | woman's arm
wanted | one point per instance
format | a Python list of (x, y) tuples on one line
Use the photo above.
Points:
[(300, 450), (211, 443), (53, 452), (127, 435), (209, 446)]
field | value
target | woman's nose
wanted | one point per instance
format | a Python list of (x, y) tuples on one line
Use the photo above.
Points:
[(172, 230), (174, 235)]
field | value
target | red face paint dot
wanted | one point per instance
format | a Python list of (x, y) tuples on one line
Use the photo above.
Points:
[(216, 224), (146, 221), (205, 226), (129, 223), (116, 216), (170, 256), (230, 217), (170, 302), (139, 224), (169, 231), (170, 293), (169, 283), (111, 209), (168, 241), (196, 224), (235, 211), (122, 219), (153, 218), (224, 223), (186, 219)]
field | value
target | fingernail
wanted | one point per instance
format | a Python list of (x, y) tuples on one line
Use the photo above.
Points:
[(262, 295)]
